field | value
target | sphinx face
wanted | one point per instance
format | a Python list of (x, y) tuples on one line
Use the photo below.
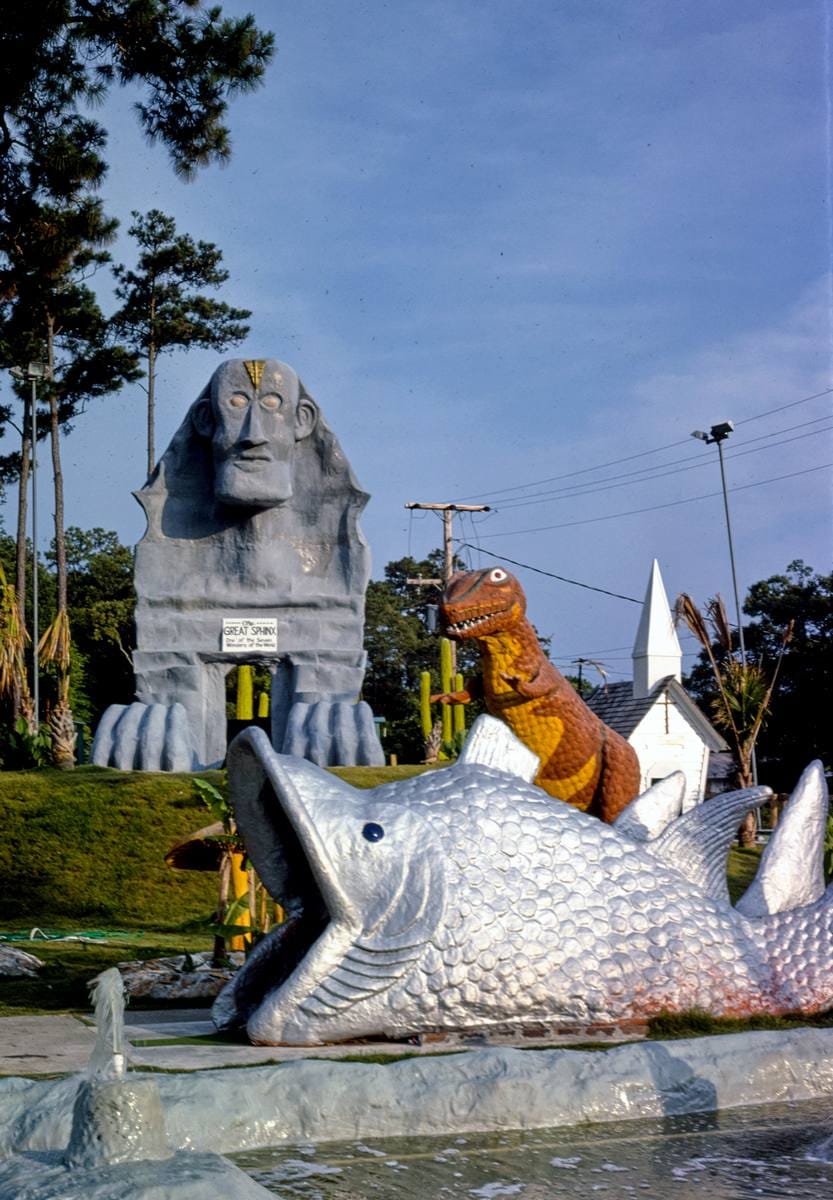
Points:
[(255, 415)]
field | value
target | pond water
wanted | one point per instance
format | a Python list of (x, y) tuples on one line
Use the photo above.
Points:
[(772, 1152)]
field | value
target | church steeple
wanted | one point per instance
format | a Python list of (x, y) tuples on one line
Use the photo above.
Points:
[(656, 651)]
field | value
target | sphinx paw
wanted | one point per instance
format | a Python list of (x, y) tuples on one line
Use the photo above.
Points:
[(333, 733), (144, 737)]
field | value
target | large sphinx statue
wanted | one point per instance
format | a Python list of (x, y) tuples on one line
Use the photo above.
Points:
[(252, 539)]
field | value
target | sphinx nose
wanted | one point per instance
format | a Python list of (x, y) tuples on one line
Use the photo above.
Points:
[(252, 432)]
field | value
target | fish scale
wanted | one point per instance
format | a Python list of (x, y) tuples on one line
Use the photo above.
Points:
[(483, 905)]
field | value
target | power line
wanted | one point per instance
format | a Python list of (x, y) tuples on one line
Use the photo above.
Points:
[(654, 507), (647, 474), (783, 407), (551, 574), (643, 453)]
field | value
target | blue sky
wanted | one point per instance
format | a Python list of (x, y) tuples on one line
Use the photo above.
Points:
[(505, 241)]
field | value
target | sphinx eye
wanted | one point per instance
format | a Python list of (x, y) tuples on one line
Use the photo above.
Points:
[(498, 575), (373, 832), (238, 401), (271, 401)]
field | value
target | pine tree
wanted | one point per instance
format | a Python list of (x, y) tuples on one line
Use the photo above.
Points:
[(162, 308), (189, 61)]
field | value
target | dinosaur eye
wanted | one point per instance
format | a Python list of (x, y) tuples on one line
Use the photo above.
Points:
[(373, 832), (498, 575)]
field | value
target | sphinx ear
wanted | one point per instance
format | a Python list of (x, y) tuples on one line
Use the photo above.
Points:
[(306, 414), (202, 418)]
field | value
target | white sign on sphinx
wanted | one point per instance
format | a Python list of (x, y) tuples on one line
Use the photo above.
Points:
[(250, 633)]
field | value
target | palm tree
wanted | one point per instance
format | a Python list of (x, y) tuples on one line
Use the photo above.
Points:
[(744, 689)]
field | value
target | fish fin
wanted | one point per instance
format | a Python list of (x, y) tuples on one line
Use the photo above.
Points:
[(697, 844), (361, 974), (651, 812), (491, 743), (396, 932), (791, 871)]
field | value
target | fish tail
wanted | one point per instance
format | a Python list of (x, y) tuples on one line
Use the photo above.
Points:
[(788, 912), (798, 948)]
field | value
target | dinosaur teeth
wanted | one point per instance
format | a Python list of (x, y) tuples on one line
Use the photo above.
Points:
[(464, 626)]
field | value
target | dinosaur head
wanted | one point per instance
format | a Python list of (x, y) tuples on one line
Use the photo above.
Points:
[(478, 603)]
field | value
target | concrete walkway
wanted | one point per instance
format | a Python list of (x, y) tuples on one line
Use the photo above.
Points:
[(62, 1044)]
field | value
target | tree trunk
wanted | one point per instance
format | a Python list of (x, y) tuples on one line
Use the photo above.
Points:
[(748, 831), (151, 388), (20, 561), (61, 723)]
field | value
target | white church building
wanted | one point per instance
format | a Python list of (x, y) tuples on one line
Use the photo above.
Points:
[(653, 712)]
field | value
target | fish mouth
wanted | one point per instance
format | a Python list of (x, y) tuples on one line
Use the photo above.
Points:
[(292, 862), (475, 622)]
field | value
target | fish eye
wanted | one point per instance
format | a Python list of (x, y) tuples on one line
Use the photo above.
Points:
[(498, 575), (272, 401), (238, 400), (373, 832)]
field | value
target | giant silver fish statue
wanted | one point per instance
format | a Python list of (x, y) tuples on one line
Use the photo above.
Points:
[(467, 899)]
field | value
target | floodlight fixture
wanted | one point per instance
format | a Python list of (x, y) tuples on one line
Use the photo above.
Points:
[(717, 433)]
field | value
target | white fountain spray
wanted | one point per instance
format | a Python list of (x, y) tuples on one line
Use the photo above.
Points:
[(108, 1059), (117, 1116)]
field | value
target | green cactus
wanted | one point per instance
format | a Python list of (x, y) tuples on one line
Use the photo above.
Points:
[(445, 686), (245, 692), (263, 704), (425, 703), (459, 710)]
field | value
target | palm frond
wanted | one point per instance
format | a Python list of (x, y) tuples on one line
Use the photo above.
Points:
[(721, 626), (56, 643)]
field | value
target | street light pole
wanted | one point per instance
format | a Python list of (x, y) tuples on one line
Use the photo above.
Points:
[(716, 437), (33, 372)]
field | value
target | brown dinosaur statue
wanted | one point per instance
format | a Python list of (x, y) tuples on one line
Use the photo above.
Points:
[(583, 761)]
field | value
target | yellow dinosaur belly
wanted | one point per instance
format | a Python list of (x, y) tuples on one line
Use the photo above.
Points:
[(537, 728)]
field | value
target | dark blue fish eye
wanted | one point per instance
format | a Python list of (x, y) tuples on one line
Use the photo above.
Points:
[(373, 832)]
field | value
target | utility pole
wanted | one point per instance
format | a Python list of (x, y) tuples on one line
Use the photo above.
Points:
[(448, 511)]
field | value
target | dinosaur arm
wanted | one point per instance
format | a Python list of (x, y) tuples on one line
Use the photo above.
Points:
[(473, 690), (530, 689)]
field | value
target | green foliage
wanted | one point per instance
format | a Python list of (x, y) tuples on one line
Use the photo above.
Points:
[(22, 748), (90, 845), (216, 802)]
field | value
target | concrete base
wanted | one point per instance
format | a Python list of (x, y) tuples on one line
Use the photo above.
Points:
[(483, 1090)]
